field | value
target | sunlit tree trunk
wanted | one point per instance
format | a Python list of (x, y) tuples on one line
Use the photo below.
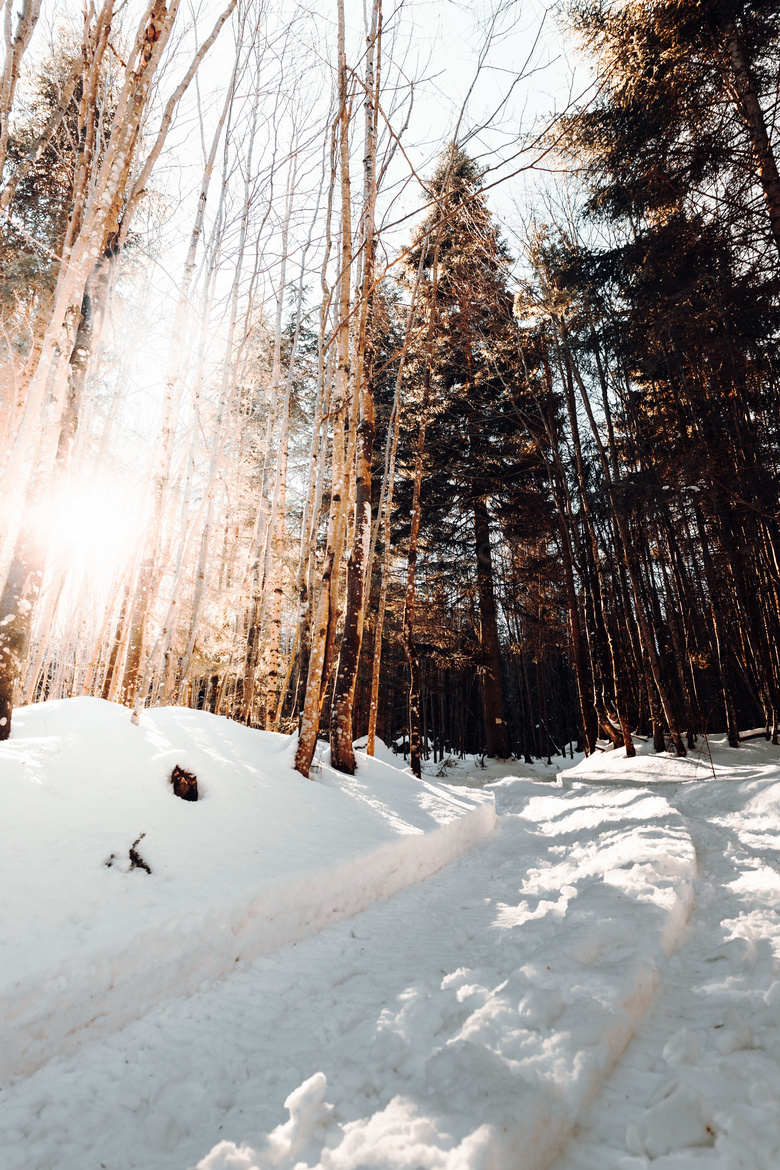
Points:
[(16, 40), (383, 517), (496, 731), (326, 613), (136, 680), (358, 568), (275, 545), (749, 107), (94, 225), (412, 656)]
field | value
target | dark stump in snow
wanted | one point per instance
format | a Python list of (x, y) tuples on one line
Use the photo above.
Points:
[(185, 784)]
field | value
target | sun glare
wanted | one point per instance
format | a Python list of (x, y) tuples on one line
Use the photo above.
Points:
[(92, 526)]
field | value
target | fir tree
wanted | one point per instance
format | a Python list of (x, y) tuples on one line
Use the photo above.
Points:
[(468, 350)]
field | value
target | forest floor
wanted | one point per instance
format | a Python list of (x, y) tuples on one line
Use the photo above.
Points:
[(586, 977)]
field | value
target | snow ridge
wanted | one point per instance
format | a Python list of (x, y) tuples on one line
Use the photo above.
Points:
[(44, 1020), (188, 923)]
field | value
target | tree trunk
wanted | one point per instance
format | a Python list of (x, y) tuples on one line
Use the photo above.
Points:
[(645, 633), (749, 108), (359, 568), (17, 601), (496, 730), (323, 633)]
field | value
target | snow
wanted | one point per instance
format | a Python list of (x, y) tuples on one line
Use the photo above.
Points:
[(264, 858), (700, 1084), (578, 965)]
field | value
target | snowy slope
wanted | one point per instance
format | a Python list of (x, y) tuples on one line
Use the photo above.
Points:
[(264, 858), (467, 1021), (480, 1018)]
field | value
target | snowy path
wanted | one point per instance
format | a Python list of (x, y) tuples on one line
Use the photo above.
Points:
[(481, 1019), (699, 1086), (472, 1016)]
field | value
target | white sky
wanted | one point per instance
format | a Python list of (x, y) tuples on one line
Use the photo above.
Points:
[(439, 45), (494, 102), (493, 96)]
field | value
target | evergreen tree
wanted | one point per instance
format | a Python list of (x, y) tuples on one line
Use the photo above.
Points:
[(684, 113), (473, 454), (672, 330)]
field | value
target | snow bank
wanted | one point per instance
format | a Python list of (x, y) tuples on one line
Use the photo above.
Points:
[(491, 1064), (711, 759), (90, 941)]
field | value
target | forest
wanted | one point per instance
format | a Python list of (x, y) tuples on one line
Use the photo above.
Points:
[(301, 426)]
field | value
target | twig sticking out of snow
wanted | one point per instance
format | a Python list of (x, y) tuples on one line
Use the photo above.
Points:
[(136, 861)]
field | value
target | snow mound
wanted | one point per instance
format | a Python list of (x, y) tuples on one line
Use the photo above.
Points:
[(124, 894)]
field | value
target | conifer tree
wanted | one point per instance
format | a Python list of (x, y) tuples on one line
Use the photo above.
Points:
[(468, 355), (670, 329)]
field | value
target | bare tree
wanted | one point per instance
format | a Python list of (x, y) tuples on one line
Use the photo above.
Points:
[(100, 216)]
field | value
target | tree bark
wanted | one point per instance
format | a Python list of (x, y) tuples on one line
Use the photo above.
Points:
[(323, 632), (358, 567), (749, 108), (16, 44), (496, 730)]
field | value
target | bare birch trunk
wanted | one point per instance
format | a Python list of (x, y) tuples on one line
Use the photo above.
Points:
[(326, 616), (49, 608), (273, 561), (16, 43), (304, 586), (496, 730), (135, 682), (359, 567), (93, 223), (93, 666), (412, 656), (196, 608)]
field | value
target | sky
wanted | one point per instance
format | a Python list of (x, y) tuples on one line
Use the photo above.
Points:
[(491, 71)]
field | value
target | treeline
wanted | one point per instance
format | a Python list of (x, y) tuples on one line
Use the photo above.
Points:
[(463, 500), (659, 348)]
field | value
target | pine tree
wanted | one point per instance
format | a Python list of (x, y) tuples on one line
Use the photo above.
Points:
[(467, 359), (671, 330), (684, 112)]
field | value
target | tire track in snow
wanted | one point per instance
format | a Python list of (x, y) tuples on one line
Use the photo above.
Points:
[(483, 997), (699, 1086)]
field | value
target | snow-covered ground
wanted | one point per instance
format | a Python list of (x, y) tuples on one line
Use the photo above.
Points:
[(124, 893), (258, 1000)]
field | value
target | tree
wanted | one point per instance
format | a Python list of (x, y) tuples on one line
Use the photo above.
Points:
[(464, 364), (681, 108), (106, 193), (666, 335)]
